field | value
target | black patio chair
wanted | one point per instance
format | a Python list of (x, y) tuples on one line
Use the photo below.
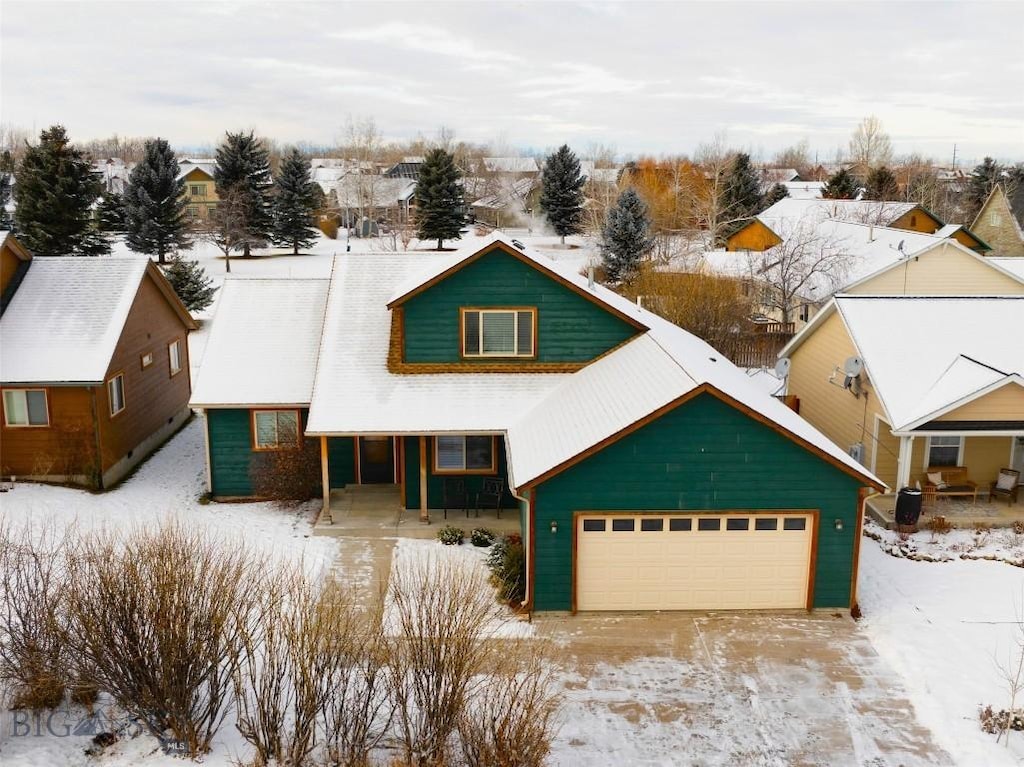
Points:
[(455, 495), (490, 494)]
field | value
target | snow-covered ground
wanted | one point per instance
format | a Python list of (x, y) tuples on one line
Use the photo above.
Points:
[(942, 627), (1004, 544)]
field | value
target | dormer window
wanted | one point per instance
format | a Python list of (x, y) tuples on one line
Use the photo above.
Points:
[(499, 332)]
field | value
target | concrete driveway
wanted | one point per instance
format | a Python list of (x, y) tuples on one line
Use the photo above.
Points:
[(730, 689)]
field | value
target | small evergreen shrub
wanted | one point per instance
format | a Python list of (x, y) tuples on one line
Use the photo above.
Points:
[(481, 537), (507, 563), (450, 535)]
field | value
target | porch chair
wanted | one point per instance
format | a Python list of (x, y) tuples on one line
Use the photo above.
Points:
[(455, 495), (1007, 485), (489, 495)]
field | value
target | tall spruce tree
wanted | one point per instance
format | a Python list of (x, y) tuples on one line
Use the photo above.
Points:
[(776, 193), (294, 205), (741, 192), (5, 197), (55, 190), (561, 196), (440, 206), (840, 186), (982, 181), (626, 237), (881, 185), (190, 282), (156, 222), (243, 168), (110, 213)]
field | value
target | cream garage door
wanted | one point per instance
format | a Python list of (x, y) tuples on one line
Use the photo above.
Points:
[(692, 562)]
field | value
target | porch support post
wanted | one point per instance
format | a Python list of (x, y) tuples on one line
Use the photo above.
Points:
[(424, 510), (903, 470), (325, 477)]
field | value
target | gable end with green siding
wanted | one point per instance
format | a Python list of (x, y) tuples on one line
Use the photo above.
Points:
[(706, 456), (569, 327)]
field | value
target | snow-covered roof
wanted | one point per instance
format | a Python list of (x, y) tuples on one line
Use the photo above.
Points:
[(360, 190), (869, 250), (187, 166), (511, 164), (508, 194), (593, 404), (927, 354), (780, 175), (804, 190), (64, 321), (876, 212), (264, 343), (1012, 264), (355, 393)]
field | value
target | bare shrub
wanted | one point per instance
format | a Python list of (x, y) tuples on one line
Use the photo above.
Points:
[(288, 475), (440, 616), (34, 658), (359, 712), (156, 619), (510, 720), (939, 525)]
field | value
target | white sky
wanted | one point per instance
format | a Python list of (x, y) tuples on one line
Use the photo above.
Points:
[(656, 78)]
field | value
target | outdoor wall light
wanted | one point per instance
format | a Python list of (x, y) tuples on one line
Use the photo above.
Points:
[(554, 526), (839, 525)]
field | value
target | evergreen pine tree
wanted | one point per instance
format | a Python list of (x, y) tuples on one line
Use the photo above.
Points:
[(982, 181), (439, 202), (5, 197), (840, 186), (776, 193), (626, 236), (110, 213), (561, 196), (155, 219), (190, 282), (741, 194), (55, 190), (294, 204), (881, 185), (243, 168)]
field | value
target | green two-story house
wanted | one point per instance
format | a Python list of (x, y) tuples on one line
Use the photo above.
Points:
[(649, 472)]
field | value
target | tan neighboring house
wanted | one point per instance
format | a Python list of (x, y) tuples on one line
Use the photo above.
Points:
[(200, 190), (908, 383), (998, 225)]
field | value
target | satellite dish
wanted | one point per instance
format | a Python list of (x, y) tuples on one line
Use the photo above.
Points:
[(782, 367), (853, 366)]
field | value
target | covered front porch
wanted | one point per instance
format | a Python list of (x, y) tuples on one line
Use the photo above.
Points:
[(963, 513), (410, 485)]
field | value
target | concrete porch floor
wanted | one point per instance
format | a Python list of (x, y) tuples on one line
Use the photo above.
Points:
[(964, 513), (375, 511)]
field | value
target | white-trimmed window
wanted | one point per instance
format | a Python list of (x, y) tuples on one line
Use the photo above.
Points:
[(147, 360), (275, 429), (944, 451), (198, 190), (115, 394), (464, 454), (26, 407), (498, 332), (174, 355)]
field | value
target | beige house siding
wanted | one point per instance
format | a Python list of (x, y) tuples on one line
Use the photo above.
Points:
[(833, 410), (1004, 404), (200, 193), (985, 456), (947, 270), (886, 453), (995, 225)]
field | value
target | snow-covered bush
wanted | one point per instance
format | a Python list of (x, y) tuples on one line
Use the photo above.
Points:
[(507, 563), (481, 537), (450, 535)]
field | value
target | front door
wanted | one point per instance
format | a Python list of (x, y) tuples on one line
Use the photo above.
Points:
[(376, 460)]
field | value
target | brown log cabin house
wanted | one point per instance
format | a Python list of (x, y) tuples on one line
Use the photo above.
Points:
[(94, 365)]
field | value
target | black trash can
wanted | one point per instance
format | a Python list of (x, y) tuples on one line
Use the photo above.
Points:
[(908, 506)]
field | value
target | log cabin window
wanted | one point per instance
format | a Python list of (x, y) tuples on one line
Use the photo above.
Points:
[(26, 407), (174, 355), (499, 332), (115, 394), (275, 429), (464, 454), (147, 360)]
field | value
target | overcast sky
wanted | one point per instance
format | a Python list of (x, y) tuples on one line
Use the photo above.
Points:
[(654, 78)]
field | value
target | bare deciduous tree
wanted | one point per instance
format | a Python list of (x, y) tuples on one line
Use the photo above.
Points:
[(870, 144)]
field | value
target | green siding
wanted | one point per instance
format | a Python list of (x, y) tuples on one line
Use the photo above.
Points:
[(435, 483), (702, 455), (569, 327), (231, 453), (341, 461)]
